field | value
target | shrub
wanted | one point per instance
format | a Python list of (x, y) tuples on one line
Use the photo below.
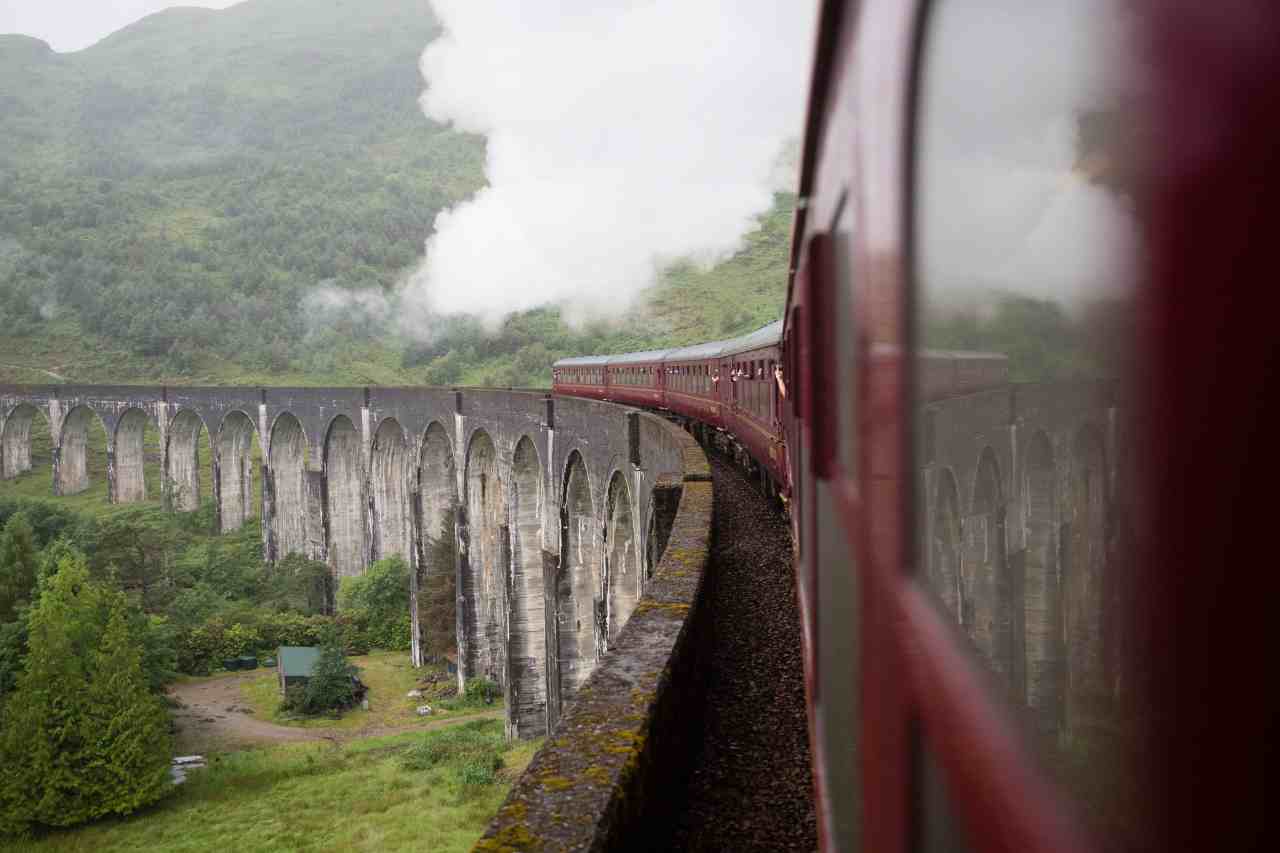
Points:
[(480, 772), (246, 630), (377, 605), (483, 691), (295, 698)]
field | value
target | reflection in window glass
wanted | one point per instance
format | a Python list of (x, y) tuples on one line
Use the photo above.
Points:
[(1026, 241)]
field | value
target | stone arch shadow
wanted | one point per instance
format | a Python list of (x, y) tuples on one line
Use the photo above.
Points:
[(435, 620), (343, 498), (945, 574), (284, 489), (18, 443), (530, 678), (71, 466), (1041, 602), (622, 569), (392, 464), (484, 559), (580, 609), (182, 460), (988, 591), (233, 468)]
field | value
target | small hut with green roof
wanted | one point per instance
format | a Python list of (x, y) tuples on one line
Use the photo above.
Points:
[(295, 664)]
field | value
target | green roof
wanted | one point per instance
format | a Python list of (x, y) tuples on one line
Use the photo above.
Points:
[(297, 660)]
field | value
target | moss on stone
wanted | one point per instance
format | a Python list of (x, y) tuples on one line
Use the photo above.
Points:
[(513, 838), (572, 794), (598, 774), (555, 783)]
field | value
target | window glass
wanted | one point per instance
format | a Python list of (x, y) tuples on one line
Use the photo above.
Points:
[(1026, 242)]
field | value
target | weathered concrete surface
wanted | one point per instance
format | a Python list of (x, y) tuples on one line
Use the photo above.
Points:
[(614, 746), (529, 626), (182, 462)]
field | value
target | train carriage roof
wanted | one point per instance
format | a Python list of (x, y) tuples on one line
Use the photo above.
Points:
[(638, 357), (697, 352), (582, 361), (770, 335)]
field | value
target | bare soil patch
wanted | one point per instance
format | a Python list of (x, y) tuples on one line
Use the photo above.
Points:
[(213, 715)]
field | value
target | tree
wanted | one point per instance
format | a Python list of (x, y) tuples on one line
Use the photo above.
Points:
[(137, 545), (380, 600), (129, 721), (13, 648), (437, 595), (297, 582), (19, 564), (333, 685), (82, 734)]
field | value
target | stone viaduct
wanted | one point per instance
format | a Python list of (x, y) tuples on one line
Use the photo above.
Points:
[(561, 512), (1024, 511), (556, 508)]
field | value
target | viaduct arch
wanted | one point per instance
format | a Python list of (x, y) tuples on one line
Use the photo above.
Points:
[(1020, 560)]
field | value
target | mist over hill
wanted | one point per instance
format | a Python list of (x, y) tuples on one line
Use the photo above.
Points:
[(178, 200)]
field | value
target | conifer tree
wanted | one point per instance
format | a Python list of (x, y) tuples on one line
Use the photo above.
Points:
[(331, 686), (81, 736), (19, 561), (129, 721)]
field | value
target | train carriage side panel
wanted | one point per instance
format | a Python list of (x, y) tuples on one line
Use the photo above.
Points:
[(694, 383), (584, 376), (635, 378)]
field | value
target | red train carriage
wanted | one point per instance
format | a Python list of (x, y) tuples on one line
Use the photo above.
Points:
[(753, 402), (584, 376), (695, 384), (636, 378)]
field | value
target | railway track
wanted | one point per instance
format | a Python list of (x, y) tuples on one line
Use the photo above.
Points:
[(751, 786)]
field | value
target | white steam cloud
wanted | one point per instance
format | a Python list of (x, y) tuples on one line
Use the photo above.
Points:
[(1003, 204), (621, 134)]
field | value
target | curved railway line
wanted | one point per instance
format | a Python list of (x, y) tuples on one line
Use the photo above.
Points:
[(751, 787)]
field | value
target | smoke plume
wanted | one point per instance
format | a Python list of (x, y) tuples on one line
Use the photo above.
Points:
[(621, 135), (1004, 201)]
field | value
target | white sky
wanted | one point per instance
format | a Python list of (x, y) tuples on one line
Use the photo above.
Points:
[(74, 24)]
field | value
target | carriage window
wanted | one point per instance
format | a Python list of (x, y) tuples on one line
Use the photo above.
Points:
[(1026, 243)]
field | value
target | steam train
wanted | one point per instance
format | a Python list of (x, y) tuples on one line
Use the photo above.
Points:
[(915, 745), (737, 388)]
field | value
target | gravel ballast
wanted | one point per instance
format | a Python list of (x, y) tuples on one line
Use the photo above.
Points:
[(751, 787)]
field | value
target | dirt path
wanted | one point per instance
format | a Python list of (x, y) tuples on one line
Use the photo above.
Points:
[(214, 715)]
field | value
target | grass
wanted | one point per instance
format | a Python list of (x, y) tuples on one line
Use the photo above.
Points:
[(359, 795), (63, 348), (389, 677)]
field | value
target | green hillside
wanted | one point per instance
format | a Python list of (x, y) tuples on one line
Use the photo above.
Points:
[(170, 195)]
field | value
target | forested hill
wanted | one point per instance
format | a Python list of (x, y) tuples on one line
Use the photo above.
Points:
[(170, 195)]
